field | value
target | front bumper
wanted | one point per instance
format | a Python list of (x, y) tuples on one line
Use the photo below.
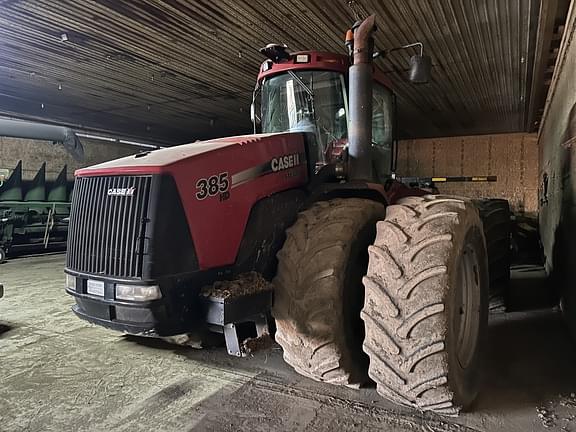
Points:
[(175, 313), (149, 320)]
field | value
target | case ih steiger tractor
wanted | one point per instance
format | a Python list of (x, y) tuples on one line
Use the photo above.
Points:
[(370, 278)]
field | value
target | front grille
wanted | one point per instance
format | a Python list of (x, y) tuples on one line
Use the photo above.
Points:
[(108, 224)]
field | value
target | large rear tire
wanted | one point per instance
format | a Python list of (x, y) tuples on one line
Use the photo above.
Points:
[(318, 291), (425, 308), (495, 216)]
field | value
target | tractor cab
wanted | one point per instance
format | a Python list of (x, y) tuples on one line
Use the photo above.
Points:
[(308, 92)]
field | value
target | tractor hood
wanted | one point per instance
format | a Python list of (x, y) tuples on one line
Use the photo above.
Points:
[(218, 182), (159, 161)]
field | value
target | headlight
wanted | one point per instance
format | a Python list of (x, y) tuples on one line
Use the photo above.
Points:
[(71, 282), (138, 292)]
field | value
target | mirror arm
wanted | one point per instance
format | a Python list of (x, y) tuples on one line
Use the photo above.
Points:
[(384, 53)]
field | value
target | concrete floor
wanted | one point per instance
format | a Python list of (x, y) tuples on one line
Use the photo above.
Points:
[(59, 373)]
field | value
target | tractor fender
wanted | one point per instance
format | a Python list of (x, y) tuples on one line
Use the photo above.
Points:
[(355, 189)]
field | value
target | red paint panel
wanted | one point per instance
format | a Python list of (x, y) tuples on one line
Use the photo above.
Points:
[(218, 226)]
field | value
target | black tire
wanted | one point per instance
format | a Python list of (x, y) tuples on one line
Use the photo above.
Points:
[(526, 244), (414, 303), (2, 255), (495, 215), (318, 291)]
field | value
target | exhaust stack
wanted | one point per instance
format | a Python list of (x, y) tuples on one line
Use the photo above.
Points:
[(360, 101)]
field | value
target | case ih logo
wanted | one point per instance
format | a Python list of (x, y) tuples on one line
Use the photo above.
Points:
[(285, 162), (121, 191)]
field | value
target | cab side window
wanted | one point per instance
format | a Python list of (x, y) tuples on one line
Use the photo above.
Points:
[(382, 130), (382, 117)]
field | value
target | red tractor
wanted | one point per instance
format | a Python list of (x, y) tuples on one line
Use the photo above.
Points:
[(370, 278)]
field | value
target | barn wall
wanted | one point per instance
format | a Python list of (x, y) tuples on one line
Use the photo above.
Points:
[(34, 152), (557, 141), (513, 158)]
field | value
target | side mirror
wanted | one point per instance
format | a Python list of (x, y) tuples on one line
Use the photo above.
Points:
[(420, 65), (420, 69)]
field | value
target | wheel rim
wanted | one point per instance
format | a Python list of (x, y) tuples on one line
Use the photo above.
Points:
[(468, 307)]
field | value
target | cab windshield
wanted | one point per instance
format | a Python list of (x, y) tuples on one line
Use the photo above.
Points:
[(307, 101)]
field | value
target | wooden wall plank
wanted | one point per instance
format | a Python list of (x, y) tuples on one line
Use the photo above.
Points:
[(513, 158)]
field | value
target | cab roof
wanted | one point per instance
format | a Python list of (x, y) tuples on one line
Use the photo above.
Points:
[(315, 60)]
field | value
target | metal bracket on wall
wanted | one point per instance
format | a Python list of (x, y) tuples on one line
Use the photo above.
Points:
[(429, 181)]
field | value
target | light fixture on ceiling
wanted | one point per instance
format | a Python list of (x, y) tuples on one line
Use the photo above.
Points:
[(64, 37)]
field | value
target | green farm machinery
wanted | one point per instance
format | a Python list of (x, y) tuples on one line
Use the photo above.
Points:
[(33, 213)]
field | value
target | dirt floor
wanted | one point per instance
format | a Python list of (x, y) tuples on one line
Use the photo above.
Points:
[(59, 373)]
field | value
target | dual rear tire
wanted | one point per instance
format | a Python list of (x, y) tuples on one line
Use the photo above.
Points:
[(318, 290), (423, 310)]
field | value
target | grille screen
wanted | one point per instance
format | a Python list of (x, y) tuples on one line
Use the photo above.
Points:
[(107, 225)]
